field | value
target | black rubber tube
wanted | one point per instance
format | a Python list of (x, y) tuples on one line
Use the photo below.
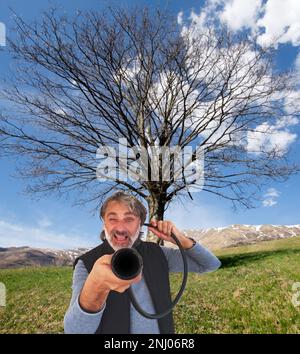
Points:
[(178, 296)]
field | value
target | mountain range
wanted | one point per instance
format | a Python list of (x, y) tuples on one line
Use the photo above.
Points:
[(212, 238)]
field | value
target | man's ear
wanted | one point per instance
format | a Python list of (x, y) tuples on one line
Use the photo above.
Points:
[(102, 235)]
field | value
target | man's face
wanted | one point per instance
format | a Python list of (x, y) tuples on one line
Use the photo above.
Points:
[(121, 225)]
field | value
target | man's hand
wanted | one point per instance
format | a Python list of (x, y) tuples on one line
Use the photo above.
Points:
[(163, 230), (100, 282), (106, 279)]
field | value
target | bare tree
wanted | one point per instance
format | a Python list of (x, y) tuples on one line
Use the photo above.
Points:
[(87, 81)]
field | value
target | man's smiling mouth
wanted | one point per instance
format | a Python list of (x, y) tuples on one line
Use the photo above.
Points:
[(120, 238)]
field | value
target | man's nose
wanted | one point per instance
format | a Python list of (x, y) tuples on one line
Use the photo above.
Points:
[(120, 231)]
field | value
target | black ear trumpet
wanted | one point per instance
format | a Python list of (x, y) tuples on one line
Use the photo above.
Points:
[(126, 263)]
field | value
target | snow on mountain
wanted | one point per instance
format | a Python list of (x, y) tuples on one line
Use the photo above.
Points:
[(213, 238)]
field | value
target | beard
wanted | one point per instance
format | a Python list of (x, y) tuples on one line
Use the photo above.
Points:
[(128, 238)]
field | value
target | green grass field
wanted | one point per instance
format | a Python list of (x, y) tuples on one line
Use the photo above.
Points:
[(251, 293)]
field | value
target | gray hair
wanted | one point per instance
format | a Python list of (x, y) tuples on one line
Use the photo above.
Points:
[(135, 206)]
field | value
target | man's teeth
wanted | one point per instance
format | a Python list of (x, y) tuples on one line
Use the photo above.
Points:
[(121, 238)]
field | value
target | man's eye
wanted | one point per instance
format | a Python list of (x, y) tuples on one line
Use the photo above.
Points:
[(127, 220)]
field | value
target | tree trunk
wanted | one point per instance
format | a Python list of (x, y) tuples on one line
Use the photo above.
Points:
[(156, 205)]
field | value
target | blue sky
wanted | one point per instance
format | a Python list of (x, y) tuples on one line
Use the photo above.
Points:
[(55, 223)]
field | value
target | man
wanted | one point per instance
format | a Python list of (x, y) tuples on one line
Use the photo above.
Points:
[(100, 302)]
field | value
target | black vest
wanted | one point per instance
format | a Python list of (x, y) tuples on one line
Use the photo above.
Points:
[(116, 316)]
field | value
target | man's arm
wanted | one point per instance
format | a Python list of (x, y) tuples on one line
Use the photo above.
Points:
[(90, 292), (76, 319), (199, 259)]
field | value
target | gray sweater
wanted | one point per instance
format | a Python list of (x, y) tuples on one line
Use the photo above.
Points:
[(200, 260)]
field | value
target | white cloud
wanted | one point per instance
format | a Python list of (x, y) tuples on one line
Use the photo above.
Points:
[(286, 122), (202, 21), (13, 234), (266, 138), (276, 21), (60, 112), (292, 102), (280, 22), (272, 192), (269, 202), (239, 14), (180, 18), (74, 82), (270, 197)]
